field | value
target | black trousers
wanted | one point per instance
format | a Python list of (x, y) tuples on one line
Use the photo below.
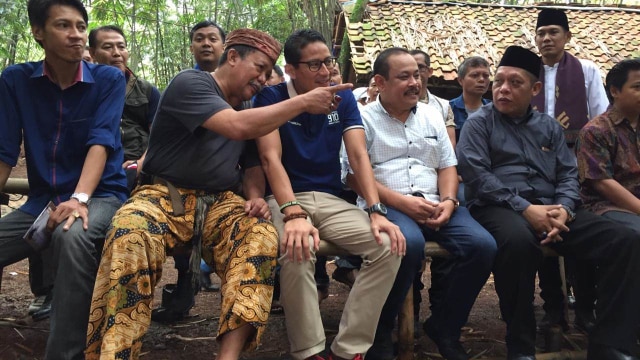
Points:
[(615, 250)]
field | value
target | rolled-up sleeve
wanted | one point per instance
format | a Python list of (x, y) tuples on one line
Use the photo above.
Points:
[(106, 124), (10, 128)]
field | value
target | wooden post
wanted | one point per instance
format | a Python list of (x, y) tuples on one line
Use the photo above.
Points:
[(405, 328)]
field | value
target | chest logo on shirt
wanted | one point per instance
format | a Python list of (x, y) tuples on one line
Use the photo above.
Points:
[(333, 118)]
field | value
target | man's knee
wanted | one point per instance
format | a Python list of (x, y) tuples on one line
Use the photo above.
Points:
[(74, 241), (415, 250), (267, 235)]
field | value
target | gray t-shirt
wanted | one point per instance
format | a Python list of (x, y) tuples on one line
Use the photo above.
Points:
[(182, 151)]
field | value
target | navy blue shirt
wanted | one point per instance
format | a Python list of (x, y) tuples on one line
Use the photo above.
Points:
[(311, 143), (59, 126), (460, 114)]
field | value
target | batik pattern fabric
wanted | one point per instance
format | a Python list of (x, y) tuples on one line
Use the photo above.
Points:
[(608, 148), (241, 249)]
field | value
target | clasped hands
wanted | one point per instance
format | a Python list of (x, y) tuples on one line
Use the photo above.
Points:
[(431, 214), (548, 221)]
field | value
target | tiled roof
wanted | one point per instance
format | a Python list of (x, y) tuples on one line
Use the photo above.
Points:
[(449, 32)]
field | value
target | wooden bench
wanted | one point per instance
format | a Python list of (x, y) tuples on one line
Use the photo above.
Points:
[(13, 186), (406, 316)]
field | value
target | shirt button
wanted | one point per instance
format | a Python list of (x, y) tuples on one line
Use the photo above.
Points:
[(410, 142), (411, 185)]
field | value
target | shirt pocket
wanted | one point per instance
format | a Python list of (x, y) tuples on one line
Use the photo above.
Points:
[(77, 132), (429, 151)]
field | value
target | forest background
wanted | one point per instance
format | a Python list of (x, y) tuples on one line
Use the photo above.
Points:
[(158, 30)]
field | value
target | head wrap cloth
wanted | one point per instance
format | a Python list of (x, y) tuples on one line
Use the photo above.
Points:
[(255, 39)]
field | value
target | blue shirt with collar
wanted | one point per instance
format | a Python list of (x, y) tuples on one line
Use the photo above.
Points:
[(311, 142), (460, 114), (59, 126)]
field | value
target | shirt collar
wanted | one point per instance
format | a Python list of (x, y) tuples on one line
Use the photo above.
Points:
[(82, 74), (291, 89), (458, 102), (615, 115), (381, 108), (519, 120)]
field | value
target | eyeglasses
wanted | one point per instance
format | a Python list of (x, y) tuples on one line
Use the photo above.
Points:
[(423, 68), (315, 65)]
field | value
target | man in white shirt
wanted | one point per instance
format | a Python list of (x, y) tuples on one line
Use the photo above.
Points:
[(560, 99), (564, 77), (405, 136)]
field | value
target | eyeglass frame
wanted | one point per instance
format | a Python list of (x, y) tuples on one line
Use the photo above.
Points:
[(331, 60), (423, 68)]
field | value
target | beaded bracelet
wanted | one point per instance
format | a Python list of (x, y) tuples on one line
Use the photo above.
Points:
[(289, 203), (299, 215)]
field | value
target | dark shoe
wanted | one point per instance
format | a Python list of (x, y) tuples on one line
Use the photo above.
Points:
[(345, 276), (553, 339), (599, 352), (37, 303), (40, 308), (175, 304), (449, 348), (276, 307), (206, 284), (549, 321), (165, 315), (584, 322), (382, 349), (571, 301), (323, 293)]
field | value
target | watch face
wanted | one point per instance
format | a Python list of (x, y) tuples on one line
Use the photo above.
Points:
[(83, 198), (382, 208)]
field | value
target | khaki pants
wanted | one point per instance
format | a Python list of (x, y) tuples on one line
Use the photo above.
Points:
[(348, 227)]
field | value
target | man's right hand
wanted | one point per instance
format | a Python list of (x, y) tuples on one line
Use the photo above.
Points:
[(323, 100), (295, 242), (540, 220), (418, 208)]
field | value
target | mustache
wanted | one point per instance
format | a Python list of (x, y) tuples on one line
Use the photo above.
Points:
[(257, 85)]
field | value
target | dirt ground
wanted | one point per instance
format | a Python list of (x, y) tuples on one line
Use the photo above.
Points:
[(21, 338)]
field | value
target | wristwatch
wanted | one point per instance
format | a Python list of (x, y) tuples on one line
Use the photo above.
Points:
[(377, 208), (456, 202), (81, 197), (570, 213)]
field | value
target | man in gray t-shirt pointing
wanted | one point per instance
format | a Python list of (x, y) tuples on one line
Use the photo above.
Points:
[(203, 193)]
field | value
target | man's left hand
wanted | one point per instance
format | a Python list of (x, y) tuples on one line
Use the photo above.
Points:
[(558, 218), (441, 216), (69, 211), (257, 208), (380, 223)]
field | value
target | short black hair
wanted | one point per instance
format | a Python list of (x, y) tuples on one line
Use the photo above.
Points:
[(93, 34), (38, 10), (243, 51), (278, 70), (427, 59), (471, 62), (298, 41), (207, 23), (619, 74), (381, 65)]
